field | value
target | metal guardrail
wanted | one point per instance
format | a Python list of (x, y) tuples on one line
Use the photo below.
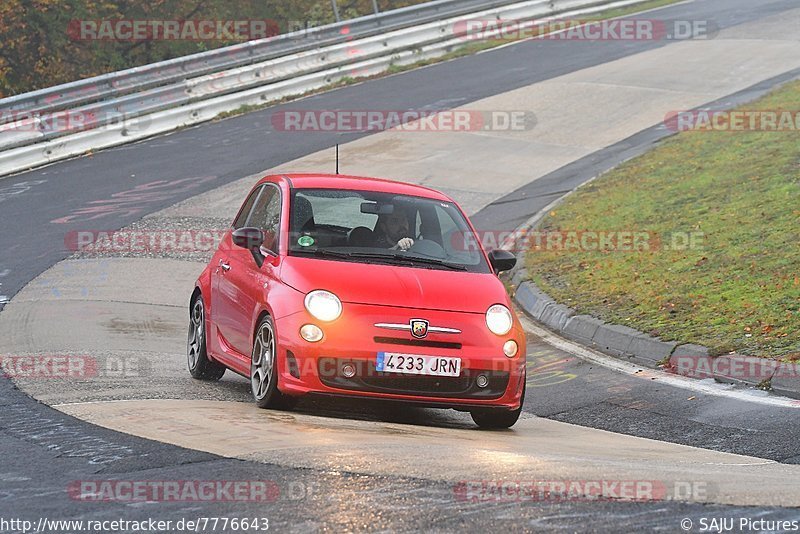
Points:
[(100, 123), (129, 95), (136, 79)]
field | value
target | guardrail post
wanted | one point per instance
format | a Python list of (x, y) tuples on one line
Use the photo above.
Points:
[(375, 7), (336, 10)]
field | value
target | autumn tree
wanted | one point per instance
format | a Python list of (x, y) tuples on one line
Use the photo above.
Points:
[(37, 48)]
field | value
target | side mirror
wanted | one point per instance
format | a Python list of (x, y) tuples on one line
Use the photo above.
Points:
[(502, 260), (248, 238)]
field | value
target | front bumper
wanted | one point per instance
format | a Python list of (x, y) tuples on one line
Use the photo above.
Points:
[(317, 367)]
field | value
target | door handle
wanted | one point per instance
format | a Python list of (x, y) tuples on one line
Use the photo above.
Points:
[(225, 266)]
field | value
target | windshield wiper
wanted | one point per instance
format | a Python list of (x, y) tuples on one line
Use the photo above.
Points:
[(438, 263), (390, 258), (395, 258), (412, 259), (324, 252)]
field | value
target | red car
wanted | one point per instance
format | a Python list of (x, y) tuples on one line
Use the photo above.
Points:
[(359, 287)]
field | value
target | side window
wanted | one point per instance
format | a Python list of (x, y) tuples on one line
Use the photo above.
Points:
[(247, 207), (266, 216)]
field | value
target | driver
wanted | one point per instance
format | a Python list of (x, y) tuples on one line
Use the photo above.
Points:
[(393, 232)]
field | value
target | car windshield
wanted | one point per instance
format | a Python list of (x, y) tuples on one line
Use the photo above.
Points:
[(373, 227)]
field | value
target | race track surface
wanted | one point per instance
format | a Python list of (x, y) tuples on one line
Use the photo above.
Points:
[(348, 465)]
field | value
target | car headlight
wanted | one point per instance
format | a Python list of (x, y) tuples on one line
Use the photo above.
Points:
[(499, 320), (323, 305)]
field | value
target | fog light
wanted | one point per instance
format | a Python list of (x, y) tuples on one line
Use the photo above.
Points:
[(510, 348), (348, 370), (482, 381), (311, 333)]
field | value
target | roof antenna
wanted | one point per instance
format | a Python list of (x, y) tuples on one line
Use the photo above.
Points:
[(337, 158)]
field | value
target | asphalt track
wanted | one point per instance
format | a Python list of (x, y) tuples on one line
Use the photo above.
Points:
[(237, 147)]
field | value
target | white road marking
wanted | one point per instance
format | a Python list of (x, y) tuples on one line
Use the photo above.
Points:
[(707, 386), (18, 189)]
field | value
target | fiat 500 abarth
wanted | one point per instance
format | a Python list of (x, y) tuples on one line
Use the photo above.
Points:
[(359, 287)]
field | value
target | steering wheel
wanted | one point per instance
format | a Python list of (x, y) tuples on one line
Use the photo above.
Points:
[(429, 248)]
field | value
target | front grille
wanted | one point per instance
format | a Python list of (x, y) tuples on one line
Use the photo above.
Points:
[(368, 379), (417, 342)]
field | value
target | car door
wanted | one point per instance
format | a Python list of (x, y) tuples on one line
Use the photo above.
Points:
[(221, 296), (242, 278)]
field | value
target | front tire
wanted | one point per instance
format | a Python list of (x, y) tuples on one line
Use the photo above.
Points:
[(264, 370), (200, 366), (497, 418)]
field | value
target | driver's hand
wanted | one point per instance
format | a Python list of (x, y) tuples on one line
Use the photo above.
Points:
[(405, 243)]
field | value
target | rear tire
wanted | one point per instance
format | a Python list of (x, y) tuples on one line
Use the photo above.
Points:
[(263, 369), (200, 366), (497, 418)]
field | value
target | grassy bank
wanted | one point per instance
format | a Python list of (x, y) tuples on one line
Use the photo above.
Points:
[(738, 194)]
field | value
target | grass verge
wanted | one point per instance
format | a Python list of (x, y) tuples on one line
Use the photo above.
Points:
[(739, 287)]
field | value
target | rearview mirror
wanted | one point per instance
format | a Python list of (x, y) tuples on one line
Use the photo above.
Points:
[(248, 238), (374, 208), (502, 260)]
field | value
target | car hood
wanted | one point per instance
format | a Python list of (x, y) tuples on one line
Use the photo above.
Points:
[(387, 285)]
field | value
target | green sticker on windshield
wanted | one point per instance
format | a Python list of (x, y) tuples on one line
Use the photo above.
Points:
[(305, 241)]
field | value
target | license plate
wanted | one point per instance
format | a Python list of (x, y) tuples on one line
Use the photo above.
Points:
[(414, 364)]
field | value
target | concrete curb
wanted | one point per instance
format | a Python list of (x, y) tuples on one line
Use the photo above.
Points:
[(685, 359), (631, 345)]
